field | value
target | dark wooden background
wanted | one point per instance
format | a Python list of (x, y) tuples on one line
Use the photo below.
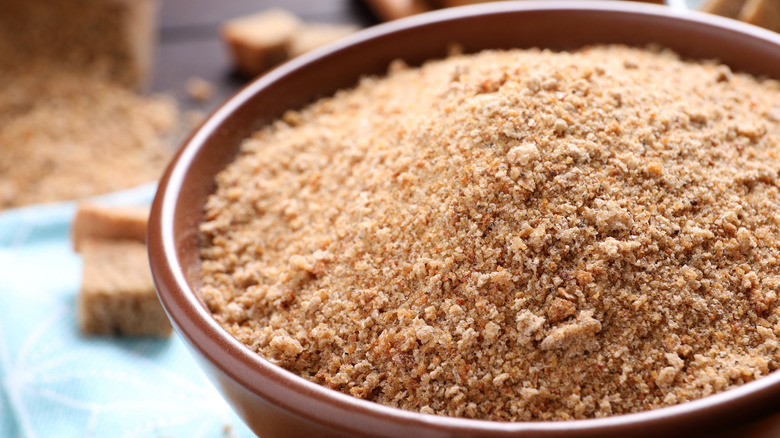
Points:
[(189, 44)]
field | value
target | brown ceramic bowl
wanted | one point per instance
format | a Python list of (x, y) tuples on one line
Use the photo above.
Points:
[(276, 403)]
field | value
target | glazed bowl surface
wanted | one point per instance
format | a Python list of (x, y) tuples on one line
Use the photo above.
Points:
[(276, 403)]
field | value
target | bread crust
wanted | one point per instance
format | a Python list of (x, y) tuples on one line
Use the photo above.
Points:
[(763, 13), (117, 294), (99, 222)]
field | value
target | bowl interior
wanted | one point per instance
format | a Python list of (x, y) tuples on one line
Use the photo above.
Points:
[(555, 25)]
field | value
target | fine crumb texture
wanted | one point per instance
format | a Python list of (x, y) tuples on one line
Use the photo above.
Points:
[(260, 41), (117, 294), (70, 135), (519, 235), (94, 221)]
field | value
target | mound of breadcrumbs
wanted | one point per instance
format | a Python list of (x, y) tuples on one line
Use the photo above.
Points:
[(70, 135), (511, 235)]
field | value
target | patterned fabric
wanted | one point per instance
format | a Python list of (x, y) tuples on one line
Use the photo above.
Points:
[(54, 382)]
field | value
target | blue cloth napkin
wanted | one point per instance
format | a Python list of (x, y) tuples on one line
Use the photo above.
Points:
[(56, 382)]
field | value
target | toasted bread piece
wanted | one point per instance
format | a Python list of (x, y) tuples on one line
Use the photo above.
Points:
[(101, 222), (260, 41), (111, 39), (387, 10), (764, 13), (117, 294), (311, 36), (139, 30), (725, 8)]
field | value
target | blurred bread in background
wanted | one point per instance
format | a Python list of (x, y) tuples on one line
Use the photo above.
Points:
[(763, 13), (260, 41), (725, 8), (111, 39)]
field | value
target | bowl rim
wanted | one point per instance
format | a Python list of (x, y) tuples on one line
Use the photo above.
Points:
[(186, 311)]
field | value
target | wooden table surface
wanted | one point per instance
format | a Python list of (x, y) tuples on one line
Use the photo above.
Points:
[(189, 44)]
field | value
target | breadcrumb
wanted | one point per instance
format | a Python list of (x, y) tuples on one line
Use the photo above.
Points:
[(71, 135), (515, 235)]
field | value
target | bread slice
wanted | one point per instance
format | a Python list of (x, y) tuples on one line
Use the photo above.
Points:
[(314, 35), (260, 41), (387, 10), (111, 39), (725, 8), (764, 13), (117, 294), (139, 28), (100, 222)]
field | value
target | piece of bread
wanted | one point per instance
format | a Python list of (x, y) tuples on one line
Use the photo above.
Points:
[(110, 39), (101, 222), (117, 294), (140, 30), (725, 8), (764, 13), (312, 36), (260, 41), (387, 10)]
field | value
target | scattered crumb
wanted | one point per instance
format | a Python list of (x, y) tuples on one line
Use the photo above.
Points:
[(193, 118), (227, 431), (199, 89)]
